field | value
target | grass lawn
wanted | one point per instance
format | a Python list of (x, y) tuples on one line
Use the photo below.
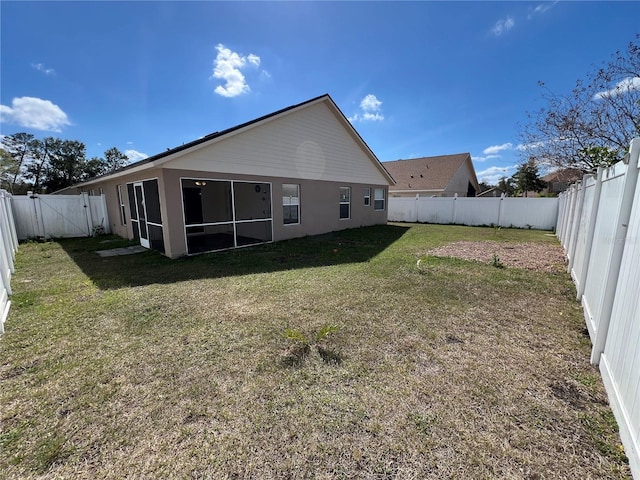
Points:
[(143, 367)]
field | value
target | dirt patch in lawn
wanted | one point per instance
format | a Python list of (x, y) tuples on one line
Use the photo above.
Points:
[(541, 257)]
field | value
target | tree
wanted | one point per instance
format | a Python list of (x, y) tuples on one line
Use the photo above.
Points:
[(484, 186), (18, 146), (7, 170), (506, 186), (40, 154), (593, 125), (114, 159), (66, 166), (526, 179), (51, 163)]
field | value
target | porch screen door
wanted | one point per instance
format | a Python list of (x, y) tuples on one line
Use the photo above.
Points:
[(142, 214)]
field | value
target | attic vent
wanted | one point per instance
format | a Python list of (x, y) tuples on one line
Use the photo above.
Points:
[(421, 176), (411, 176)]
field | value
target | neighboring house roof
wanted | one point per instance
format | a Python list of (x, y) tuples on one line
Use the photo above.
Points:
[(428, 173), (560, 180), (173, 153), (566, 175)]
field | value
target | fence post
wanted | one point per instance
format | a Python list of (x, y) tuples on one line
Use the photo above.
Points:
[(6, 247), (417, 205), (590, 233), (87, 212), (561, 215), (569, 220), (561, 202), (567, 216), (500, 207), (38, 221), (628, 192), (573, 238), (455, 208), (12, 222), (6, 256)]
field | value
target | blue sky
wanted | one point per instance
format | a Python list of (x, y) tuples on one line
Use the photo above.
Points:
[(415, 78)]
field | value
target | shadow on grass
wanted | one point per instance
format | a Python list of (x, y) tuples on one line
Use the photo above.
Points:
[(346, 246)]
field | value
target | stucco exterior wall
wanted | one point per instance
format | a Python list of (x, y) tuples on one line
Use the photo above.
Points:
[(319, 206)]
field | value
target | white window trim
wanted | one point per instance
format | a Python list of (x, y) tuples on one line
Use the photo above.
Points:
[(345, 203), (384, 199), (290, 204), (367, 196), (123, 215)]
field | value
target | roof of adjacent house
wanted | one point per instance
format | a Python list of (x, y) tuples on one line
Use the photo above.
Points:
[(426, 173), (170, 153), (567, 175)]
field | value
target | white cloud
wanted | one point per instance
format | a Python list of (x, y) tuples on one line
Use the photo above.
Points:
[(227, 66), (523, 147), (541, 8), (134, 155), (495, 149), (503, 26), (371, 111), (492, 175), (485, 158), (625, 85), (34, 113), (254, 59), (370, 103), (41, 68)]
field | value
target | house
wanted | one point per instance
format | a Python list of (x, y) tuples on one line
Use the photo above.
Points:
[(303, 170), (560, 180), (442, 176)]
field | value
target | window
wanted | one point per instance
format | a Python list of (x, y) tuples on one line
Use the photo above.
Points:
[(378, 199), (345, 202), (123, 218), (290, 203), (367, 197)]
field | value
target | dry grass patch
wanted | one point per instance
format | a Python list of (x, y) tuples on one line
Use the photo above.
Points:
[(544, 257), (143, 367)]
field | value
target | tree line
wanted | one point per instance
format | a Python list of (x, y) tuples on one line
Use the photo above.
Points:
[(50, 164), (525, 179)]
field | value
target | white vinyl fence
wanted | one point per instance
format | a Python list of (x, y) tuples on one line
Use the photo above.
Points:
[(538, 213), (59, 216), (599, 228), (8, 247)]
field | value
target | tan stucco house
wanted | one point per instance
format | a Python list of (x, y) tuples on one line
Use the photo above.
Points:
[(441, 176), (303, 170)]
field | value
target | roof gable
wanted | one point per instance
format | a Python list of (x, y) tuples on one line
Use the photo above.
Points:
[(426, 173), (311, 155)]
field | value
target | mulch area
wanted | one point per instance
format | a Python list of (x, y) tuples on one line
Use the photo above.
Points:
[(540, 257)]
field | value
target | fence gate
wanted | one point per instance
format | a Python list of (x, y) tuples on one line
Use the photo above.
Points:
[(59, 216)]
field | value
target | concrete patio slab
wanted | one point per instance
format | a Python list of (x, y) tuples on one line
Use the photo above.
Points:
[(114, 252)]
